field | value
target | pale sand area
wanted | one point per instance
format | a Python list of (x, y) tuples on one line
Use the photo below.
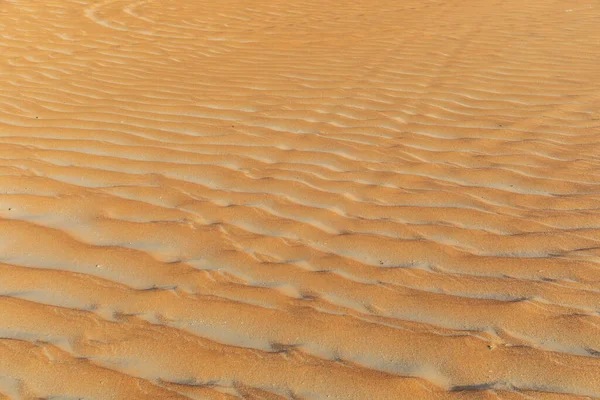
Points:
[(304, 199)]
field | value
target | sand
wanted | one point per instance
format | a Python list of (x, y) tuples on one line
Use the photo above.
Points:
[(299, 199)]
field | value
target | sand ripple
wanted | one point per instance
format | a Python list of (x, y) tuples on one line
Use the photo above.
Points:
[(299, 200)]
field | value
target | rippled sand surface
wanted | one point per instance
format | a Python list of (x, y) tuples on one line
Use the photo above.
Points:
[(299, 199)]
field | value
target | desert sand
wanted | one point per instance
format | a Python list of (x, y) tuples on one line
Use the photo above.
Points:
[(304, 199)]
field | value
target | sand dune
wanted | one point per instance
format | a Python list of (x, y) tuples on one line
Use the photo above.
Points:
[(299, 200)]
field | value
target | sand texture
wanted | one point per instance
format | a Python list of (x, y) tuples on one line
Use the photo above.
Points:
[(312, 199)]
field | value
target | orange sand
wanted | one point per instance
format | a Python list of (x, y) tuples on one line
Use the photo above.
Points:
[(300, 199)]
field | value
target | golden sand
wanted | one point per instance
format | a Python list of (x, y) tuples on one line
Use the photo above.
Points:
[(304, 199)]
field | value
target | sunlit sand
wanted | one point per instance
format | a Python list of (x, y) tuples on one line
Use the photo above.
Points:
[(299, 199)]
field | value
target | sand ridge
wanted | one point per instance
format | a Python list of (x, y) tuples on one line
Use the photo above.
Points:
[(299, 200)]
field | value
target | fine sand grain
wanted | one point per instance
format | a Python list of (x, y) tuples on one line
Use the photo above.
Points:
[(361, 199)]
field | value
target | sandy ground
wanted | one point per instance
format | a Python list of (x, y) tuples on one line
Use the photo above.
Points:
[(304, 199)]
